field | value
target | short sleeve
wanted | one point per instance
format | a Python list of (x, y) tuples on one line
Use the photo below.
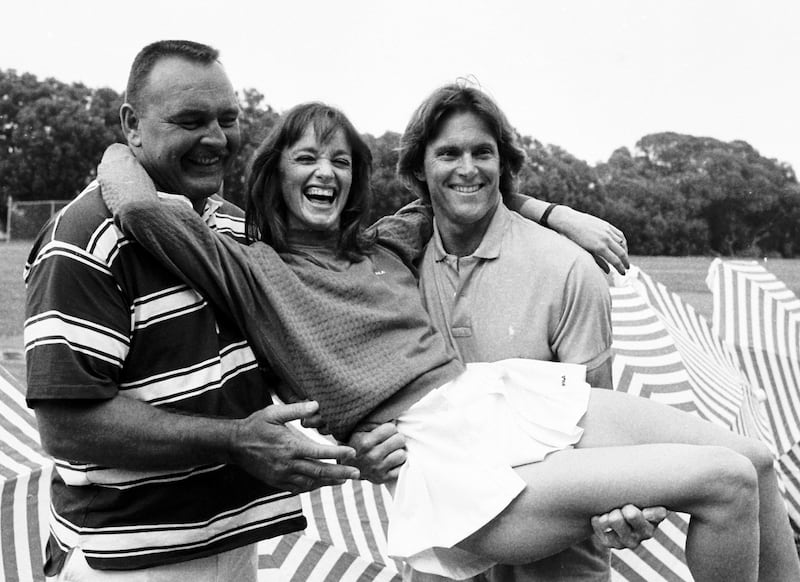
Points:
[(583, 333), (77, 325)]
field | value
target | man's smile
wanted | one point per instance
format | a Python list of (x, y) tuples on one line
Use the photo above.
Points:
[(463, 189)]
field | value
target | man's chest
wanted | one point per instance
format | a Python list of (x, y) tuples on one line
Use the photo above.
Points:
[(489, 313)]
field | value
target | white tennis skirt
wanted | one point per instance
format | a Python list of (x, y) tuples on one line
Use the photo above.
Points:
[(463, 440)]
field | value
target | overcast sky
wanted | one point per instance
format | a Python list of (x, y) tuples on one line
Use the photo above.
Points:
[(589, 76)]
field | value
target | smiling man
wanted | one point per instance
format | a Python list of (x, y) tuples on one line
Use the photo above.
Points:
[(181, 119), (171, 460), (500, 286)]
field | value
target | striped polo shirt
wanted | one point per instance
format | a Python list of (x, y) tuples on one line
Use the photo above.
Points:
[(103, 318)]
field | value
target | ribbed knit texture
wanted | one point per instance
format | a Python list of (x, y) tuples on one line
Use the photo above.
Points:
[(350, 335)]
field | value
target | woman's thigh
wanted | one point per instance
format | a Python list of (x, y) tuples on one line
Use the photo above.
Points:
[(619, 419), (633, 451)]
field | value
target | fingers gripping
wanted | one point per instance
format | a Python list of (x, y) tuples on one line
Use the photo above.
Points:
[(627, 527), (379, 453), (285, 458)]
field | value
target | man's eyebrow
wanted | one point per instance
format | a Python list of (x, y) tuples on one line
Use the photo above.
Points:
[(202, 111), (187, 113)]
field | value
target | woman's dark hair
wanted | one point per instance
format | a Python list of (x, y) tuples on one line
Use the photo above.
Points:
[(427, 120), (266, 216)]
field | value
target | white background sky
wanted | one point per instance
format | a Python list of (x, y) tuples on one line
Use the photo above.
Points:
[(589, 76)]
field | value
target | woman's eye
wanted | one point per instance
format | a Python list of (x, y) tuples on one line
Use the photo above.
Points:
[(305, 159), (342, 162)]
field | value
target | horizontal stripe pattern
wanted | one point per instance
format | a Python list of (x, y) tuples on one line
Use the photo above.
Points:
[(115, 542), (164, 305), (79, 335), (182, 383), (78, 474), (176, 354)]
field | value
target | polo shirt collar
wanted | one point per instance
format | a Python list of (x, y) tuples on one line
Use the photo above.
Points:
[(209, 214), (492, 241)]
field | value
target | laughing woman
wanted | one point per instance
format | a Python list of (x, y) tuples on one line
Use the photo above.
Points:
[(500, 467)]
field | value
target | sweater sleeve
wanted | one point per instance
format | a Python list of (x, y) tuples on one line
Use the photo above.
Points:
[(216, 265), (406, 232)]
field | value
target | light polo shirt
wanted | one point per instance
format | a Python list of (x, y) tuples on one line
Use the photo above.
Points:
[(526, 292)]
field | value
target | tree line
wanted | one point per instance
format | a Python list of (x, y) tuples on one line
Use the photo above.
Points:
[(674, 194)]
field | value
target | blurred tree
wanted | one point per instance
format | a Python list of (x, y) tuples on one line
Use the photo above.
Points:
[(706, 194), (255, 120), (53, 135), (783, 231), (553, 174), (675, 194), (389, 193)]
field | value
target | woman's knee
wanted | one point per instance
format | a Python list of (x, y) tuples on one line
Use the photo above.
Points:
[(731, 477), (759, 455)]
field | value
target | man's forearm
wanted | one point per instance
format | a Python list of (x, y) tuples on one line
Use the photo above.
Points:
[(129, 434)]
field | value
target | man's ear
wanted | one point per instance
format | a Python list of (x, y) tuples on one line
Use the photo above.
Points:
[(130, 125)]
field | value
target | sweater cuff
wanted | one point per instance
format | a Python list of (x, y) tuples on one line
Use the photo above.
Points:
[(122, 178)]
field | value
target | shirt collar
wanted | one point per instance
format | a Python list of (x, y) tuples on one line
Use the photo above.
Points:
[(209, 214), (492, 239)]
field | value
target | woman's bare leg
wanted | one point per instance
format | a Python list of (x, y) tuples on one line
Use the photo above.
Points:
[(713, 483), (778, 554)]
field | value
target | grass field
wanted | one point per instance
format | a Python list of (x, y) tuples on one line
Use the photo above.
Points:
[(686, 276), (682, 275), (12, 305)]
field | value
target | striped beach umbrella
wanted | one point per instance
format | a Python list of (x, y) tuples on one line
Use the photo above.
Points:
[(345, 540), (666, 351), (759, 318), (24, 485), (740, 372)]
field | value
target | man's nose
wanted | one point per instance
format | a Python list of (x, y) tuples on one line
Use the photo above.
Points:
[(214, 134), (467, 165)]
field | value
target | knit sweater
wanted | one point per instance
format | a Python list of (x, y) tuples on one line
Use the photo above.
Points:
[(352, 335)]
